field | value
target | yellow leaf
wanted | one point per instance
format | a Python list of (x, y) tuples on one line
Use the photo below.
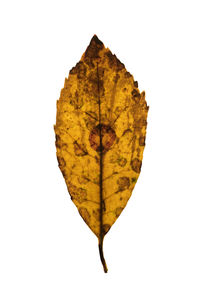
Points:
[(100, 137)]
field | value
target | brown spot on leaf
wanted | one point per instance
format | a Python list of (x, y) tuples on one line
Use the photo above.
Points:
[(79, 69), (82, 180), (126, 131), (106, 228), (58, 141), (142, 141), (61, 162), (79, 150), (77, 194), (136, 165), (123, 183), (114, 157), (116, 78), (96, 214), (97, 83), (84, 214), (122, 161), (127, 75), (92, 51), (108, 137), (64, 147), (76, 101), (114, 62), (90, 124), (133, 180), (118, 211), (136, 95), (97, 159), (140, 123)]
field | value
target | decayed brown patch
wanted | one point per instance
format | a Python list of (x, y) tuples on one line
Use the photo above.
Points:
[(58, 141), (96, 214), (92, 51), (76, 101), (114, 62), (79, 150), (77, 194), (84, 214), (106, 228), (122, 161), (108, 137), (79, 69), (142, 141), (96, 82), (118, 211), (61, 162), (123, 183), (136, 165), (136, 95)]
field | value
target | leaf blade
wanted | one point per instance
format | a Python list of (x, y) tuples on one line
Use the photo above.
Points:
[(100, 137)]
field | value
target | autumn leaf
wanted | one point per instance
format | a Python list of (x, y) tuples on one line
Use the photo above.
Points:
[(100, 137)]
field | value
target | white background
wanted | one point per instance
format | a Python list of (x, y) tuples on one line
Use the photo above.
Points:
[(46, 250)]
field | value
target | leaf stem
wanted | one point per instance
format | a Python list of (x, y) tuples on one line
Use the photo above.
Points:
[(102, 256)]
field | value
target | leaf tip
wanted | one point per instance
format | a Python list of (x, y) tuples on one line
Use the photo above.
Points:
[(96, 40)]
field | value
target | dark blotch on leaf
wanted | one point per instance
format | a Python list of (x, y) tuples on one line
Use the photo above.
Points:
[(84, 214), (106, 228), (58, 141), (93, 49), (118, 211), (123, 183), (114, 62), (79, 69), (136, 165), (142, 141), (61, 162), (136, 95), (108, 137)]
